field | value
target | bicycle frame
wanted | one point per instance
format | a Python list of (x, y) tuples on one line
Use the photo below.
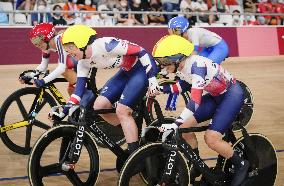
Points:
[(82, 126), (37, 105)]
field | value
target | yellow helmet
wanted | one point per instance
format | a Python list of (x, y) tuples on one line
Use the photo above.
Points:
[(78, 34), (171, 45)]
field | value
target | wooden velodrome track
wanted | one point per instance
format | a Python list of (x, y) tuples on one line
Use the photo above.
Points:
[(263, 75)]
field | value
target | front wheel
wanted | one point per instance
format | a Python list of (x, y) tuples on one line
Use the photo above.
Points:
[(146, 165), (16, 132), (266, 171), (51, 151)]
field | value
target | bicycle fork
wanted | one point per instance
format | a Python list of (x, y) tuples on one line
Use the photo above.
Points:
[(75, 149)]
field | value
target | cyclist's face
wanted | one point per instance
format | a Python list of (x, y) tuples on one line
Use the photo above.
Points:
[(174, 31), (40, 44), (169, 68), (73, 51)]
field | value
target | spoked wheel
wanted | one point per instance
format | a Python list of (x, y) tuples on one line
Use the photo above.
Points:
[(266, 171), (181, 101), (149, 162), (247, 109), (51, 150), (14, 113)]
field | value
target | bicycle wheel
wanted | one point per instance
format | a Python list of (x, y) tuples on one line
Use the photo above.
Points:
[(154, 156), (15, 109), (180, 103), (47, 156), (247, 109), (267, 168)]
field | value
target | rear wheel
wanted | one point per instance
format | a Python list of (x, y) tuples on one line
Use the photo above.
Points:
[(16, 109), (266, 171), (247, 109)]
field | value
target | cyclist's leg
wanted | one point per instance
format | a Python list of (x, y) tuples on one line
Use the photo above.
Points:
[(204, 112), (134, 91), (71, 77), (109, 94), (219, 52), (225, 114)]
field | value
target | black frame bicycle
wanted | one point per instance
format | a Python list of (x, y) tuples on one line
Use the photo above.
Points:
[(78, 133), (256, 148)]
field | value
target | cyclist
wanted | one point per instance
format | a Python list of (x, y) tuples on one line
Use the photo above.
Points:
[(44, 37), (137, 72), (221, 104), (213, 46)]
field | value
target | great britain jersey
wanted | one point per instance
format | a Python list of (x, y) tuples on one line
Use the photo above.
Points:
[(64, 61), (201, 37), (110, 52), (204, 75)]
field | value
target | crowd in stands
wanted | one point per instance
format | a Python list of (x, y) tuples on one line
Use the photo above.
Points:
[(235, 7)]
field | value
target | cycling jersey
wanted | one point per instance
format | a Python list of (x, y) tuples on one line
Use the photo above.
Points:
[(224, 98), (110, 52), (214, 47), (64, 61)]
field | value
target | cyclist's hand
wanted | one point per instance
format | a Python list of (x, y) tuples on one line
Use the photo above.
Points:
[(166, 127), (39, 82), (153, 87), (25, 79), (56, 117)]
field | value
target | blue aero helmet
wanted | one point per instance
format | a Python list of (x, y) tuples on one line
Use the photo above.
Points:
[(179, 24)]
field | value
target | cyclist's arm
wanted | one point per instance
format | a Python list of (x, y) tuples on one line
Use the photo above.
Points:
[(82, 76), (179, 87), (194, 38), (62, 63), (44, 62)]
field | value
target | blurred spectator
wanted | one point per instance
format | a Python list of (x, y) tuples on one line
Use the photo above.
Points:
[(250, 20), (273, 21), (261, 20), (71, 17), (42, 16), (58, 16), (86, 5), (237, 19), (125, 18), (249, 6), (139, 19), (103, 19), (3, 17), (25, 4), (186, 4), (202, 7), (265, 7), (191, 19), (170, 6), (217, 6), (156, 18)]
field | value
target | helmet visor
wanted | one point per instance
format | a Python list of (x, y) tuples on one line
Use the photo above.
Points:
[(169, 60)]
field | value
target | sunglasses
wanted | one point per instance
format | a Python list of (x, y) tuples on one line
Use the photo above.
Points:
[(169, 60)]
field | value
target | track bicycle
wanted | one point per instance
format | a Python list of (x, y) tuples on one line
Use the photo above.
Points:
[(18, 117), (71, 149), (168, 162)]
